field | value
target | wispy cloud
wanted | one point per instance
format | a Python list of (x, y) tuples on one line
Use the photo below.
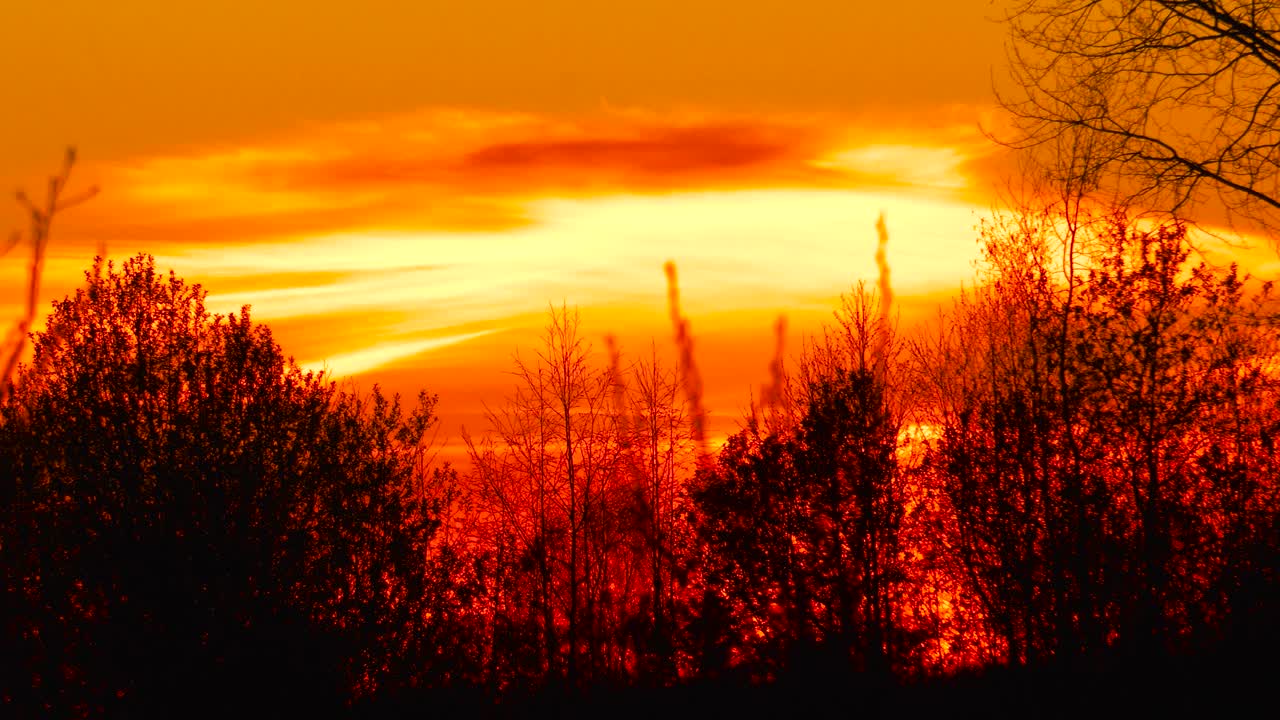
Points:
[(384, 353), (367, 242), (471, 170)]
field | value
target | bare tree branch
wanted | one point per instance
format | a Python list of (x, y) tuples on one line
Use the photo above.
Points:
[(41, 219), (1180, 95)]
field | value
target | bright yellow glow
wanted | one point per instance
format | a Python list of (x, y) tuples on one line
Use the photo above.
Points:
[(398, 247), (382, 353), (740, 253), (912, 165), (424, 248)]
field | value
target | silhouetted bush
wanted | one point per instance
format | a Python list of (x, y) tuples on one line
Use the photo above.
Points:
[(192, 524)]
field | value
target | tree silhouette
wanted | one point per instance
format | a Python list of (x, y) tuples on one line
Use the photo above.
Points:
[(579, 517), (192, 521), (800, 527), (41, 218), (658, 440), (1078, 473), (1176, 97), (1086, 432), (546, 486)]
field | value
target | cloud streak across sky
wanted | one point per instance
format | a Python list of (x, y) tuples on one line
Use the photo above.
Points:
[(374, 244), (484, 162)]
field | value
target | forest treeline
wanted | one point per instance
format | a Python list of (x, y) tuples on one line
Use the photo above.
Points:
[(1075, 466), (1063, 489)]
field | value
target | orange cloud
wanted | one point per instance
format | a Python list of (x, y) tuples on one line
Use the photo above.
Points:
[(453, 170), (521, 155), (540, 155), (661, 158), (131, 225), (373, 244)]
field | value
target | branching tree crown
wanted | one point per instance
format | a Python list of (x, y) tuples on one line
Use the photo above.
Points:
[(191, 518), (1174, 101)]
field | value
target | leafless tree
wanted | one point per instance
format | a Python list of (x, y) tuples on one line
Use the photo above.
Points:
[(660, 444), (1175, 99), (41, 219), (549, 480)]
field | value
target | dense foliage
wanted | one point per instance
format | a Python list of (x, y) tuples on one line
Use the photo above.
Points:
[(189, 517)]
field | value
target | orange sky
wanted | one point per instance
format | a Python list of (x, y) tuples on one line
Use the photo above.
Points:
[(400, 189)]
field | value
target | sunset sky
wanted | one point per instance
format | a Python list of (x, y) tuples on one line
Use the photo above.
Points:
[(401, 189)]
